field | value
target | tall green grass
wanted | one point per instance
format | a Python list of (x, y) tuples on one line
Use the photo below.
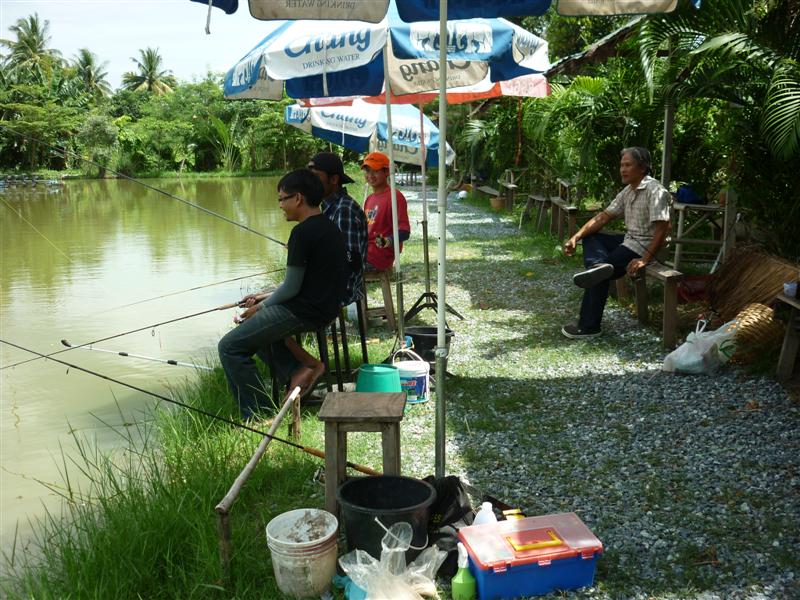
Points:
[(145, 527)]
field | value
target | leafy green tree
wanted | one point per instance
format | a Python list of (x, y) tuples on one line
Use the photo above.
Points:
[(745, 56), (92, 73), (97, 136), (41, 122), (736, 51), (582, 126), (568, 35), (149, 75)]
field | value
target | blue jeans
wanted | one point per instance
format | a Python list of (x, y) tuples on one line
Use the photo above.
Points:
[(602, 248), (266, 328)]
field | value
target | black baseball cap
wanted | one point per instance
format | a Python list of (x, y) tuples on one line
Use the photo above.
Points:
[(331, 164)]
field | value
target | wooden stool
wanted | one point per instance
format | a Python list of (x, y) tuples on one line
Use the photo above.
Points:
[(387, 310), (359, 411)]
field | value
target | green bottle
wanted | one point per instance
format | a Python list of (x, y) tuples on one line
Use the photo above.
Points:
[(462, 585)]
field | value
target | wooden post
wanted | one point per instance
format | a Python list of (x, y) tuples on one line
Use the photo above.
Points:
[(224, 507), (640, 286), (670, 325)]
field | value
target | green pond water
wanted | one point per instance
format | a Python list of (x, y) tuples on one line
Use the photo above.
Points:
[(71, 258)]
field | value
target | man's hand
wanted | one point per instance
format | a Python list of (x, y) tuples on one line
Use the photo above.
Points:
[(569, 246), (383, 242), (635, 265), (249, 312), (252, 299)]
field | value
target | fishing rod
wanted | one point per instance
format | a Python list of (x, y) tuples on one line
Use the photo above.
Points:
[(66, 152), (306, 449), (165, 361), (199, 287), (111, 337)]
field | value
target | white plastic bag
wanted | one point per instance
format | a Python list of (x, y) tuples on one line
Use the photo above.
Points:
[(389, 578), (703, 352)]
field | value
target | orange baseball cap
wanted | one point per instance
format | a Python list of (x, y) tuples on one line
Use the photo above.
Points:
[(375, 161)]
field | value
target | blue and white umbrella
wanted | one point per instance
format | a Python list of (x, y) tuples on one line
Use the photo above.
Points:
[(363, 127), (314, 59), (428, 10)]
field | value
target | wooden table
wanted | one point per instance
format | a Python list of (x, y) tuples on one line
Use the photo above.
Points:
[(791, 340), (344, 412)]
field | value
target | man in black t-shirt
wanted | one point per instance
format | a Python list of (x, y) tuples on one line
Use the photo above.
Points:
[(308, 298)]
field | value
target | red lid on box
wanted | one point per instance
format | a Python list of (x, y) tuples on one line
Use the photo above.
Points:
[(539, 540)]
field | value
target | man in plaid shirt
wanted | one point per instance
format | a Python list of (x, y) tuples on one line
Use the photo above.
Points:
[(348, 216), (644, 205)]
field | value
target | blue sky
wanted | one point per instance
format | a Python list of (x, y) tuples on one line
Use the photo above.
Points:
[(115, 30)]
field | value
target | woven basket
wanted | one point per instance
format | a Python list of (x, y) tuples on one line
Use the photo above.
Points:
[(757, 333)]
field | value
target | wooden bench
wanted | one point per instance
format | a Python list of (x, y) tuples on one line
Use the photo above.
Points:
[(489, 191), (563, 217), (536, 201), (670, 278), (509, 189)]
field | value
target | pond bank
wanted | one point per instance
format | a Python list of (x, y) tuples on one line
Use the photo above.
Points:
[(690, 482)]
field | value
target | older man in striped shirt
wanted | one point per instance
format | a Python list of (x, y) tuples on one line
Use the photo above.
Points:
[(644, 205)]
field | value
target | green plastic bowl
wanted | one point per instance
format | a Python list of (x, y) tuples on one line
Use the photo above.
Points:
[(378, 378)]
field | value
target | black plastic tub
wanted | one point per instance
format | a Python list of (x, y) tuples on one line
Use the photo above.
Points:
[(391, 499), (424, 339)]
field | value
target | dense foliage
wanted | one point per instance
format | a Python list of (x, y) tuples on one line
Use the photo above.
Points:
[(730, 72), (153, 124)]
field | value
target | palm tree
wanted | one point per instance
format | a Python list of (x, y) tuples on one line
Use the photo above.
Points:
[(29, 52), (92, 73), (734, 52), (150, 76)]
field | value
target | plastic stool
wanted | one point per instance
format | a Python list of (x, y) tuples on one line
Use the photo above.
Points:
[(359, 411)]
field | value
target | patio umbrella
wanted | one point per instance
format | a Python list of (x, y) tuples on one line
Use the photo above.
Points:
[(362, 126), (428, 10), (312, 59), (320, 59)]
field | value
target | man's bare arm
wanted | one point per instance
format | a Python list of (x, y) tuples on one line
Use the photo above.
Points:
[(659, 237), (595, 224)]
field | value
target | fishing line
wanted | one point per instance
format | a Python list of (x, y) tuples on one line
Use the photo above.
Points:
[(66, 152), (111, 337), (32, 226), (199, 287), (306, 449), (165, 361)]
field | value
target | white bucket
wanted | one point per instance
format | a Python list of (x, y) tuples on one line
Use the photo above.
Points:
[(414, 376), (303, 544)]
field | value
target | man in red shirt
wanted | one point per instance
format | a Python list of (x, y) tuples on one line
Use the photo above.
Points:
[(378, 208)]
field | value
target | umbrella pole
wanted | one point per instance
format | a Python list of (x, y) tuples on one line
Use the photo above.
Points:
[(441, 347), (393, 196), (424, 203), (427, 299)]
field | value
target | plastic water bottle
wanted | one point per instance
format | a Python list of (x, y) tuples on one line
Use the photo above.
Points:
[(485, 515), (462, 586)]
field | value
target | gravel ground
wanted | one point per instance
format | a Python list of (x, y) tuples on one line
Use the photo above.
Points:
[(692, 483)]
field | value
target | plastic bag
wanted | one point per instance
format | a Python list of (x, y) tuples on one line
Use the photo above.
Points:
[(703, 352), (390, 578)]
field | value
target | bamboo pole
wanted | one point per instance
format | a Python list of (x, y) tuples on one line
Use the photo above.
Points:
[(223, 508)]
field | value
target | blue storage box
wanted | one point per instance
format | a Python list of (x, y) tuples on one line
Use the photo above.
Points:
[(531, 556)]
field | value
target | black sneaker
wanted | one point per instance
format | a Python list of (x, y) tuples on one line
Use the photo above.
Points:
[(574, 332), (591, 277)]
